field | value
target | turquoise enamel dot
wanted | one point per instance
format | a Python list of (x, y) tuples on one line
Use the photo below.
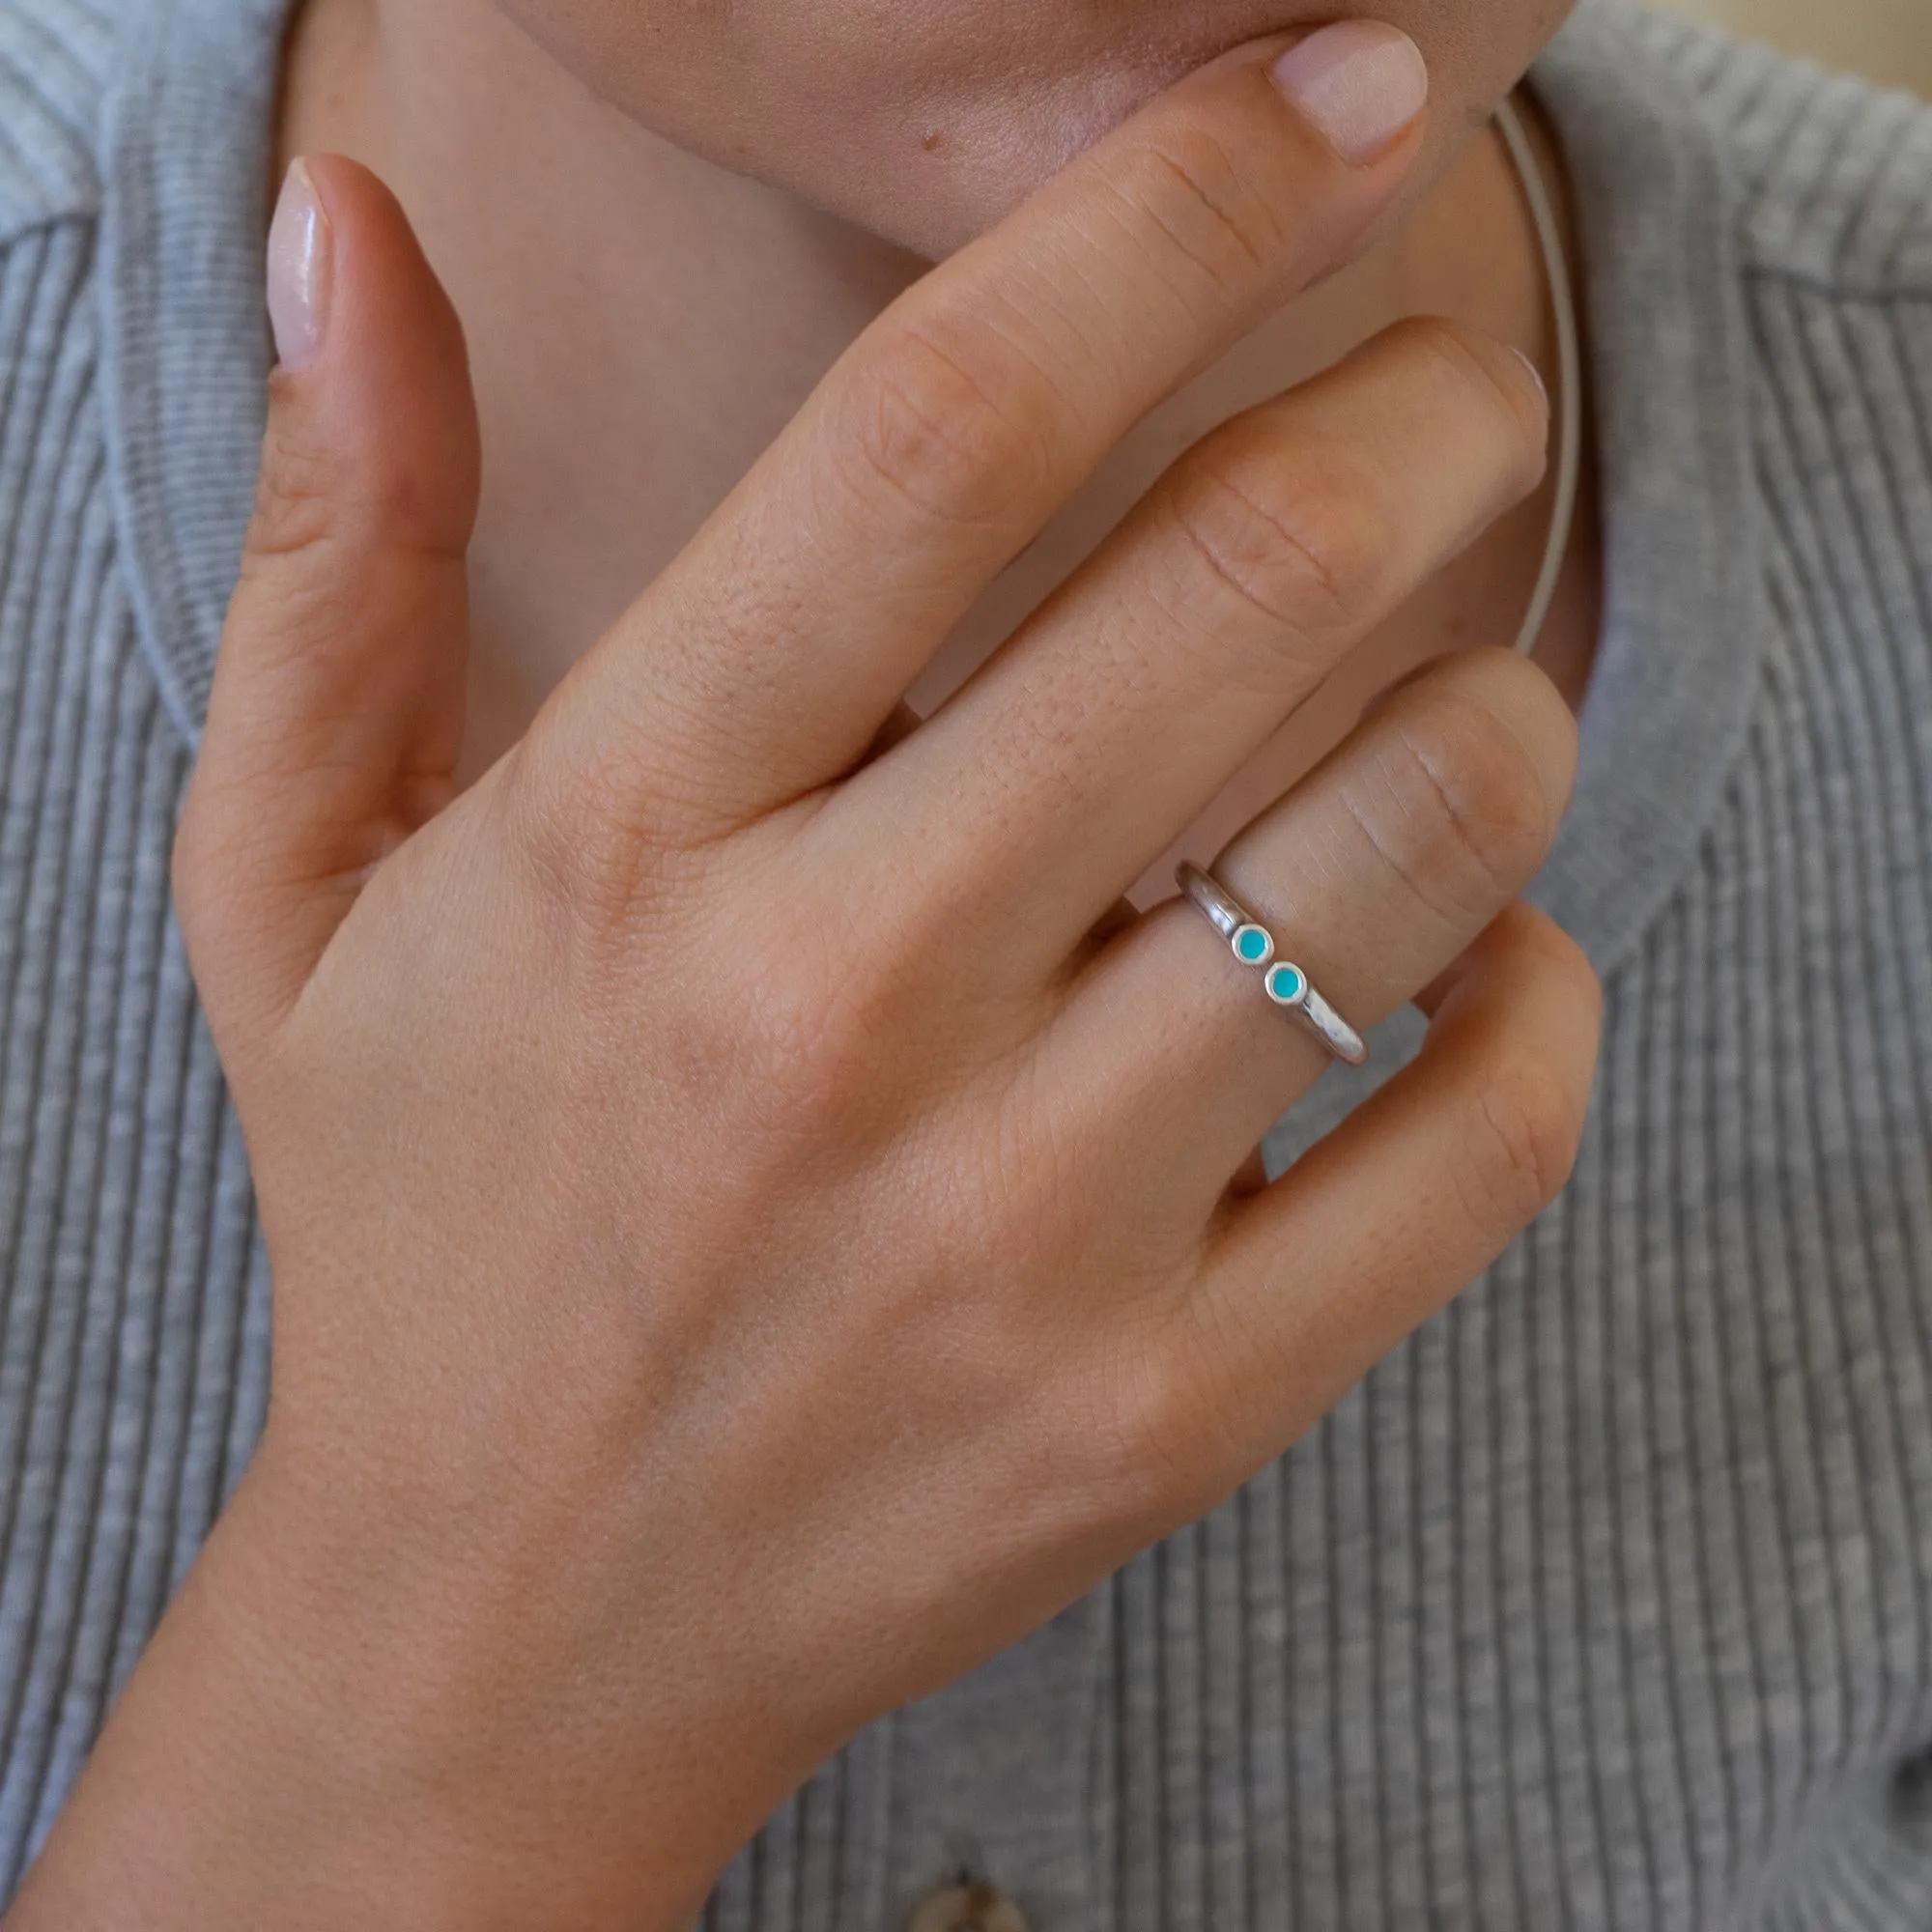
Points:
[(1286, 984), (1254, 946)]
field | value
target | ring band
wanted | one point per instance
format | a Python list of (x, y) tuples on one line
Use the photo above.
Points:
[(1283, 982)]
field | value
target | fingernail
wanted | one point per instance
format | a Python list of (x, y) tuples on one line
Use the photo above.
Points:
[(299, 265), (1361, 82), (1536, 374)]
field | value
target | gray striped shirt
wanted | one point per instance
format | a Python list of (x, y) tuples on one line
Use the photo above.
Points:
[(1607, 1601)]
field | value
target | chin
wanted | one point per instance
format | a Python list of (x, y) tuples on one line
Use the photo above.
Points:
[(925, 122)]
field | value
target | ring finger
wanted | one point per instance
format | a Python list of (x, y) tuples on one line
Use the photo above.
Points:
[(1375, 876)]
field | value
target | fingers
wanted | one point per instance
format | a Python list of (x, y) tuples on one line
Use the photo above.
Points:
[(771, 652), (1102, 730), (336, 714), (1305, 1286), (1375, 876)]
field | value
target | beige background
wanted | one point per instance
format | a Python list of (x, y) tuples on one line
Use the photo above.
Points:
[(1890, 40)]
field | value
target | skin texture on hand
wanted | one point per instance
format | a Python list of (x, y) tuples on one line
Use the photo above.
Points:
[(745, 1248)]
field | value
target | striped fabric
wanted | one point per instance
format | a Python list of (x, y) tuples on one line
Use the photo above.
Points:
[(133, 1327), (1607, 1602)]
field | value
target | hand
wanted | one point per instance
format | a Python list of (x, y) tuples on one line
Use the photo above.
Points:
[(745, 1249)]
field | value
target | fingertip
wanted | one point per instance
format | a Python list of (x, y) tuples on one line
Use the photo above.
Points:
[(352, 300)]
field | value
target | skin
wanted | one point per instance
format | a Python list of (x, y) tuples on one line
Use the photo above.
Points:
[(705, 305), (926, 123), (754, 1230)]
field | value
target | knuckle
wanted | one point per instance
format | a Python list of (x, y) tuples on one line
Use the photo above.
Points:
[(1305, 551), (952, 422), (313, 490), (573, 827), (795, 1015), (1496, 382), (1464, 819), (785, 1010), (767, 1026), (806, 1019), (806, 1066), (589, 853), (1520, 1145), (299, 489), (1196, 204)]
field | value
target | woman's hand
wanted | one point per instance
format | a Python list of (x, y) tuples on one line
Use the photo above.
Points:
[(744, 1249)]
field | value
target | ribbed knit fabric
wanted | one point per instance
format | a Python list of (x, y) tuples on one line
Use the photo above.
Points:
[(1607, 1602)]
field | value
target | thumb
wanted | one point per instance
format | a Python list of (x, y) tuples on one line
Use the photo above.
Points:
[(336, 714)]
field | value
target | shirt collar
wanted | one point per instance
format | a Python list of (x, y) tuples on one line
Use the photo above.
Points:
[(186, 160), (1669, 700)]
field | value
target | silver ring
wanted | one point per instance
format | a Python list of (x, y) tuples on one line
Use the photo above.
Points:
[(1286, 984)]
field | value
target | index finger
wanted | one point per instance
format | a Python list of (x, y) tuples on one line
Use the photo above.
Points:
[(767, 657)]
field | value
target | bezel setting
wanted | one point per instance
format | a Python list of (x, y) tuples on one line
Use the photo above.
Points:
[(1286, 984), (1245, 937)]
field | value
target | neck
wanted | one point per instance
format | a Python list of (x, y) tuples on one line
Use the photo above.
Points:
[(642, 323)]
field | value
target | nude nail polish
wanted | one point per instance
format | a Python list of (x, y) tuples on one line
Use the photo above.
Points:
[(1361, 82), (299, 245)]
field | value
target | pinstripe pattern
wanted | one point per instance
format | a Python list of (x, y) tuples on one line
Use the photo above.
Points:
[(1606, 1602), (128, 1395)]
